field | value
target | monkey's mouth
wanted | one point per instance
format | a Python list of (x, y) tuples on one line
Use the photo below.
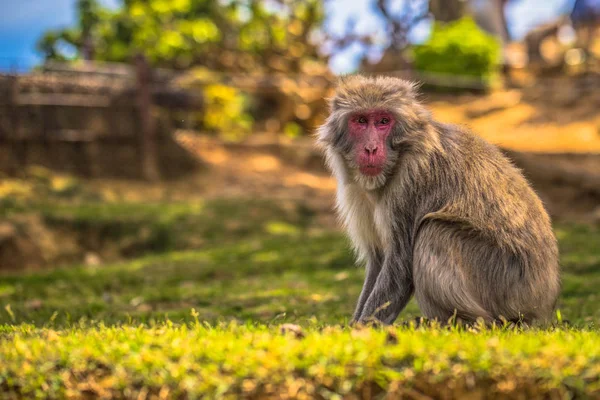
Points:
[(371, 170)]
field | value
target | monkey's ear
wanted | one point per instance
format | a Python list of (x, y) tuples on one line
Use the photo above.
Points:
[(332, 131), (325, 135), (343, 79), (329, 101), (333, 103), (414, 89), (341, 82)]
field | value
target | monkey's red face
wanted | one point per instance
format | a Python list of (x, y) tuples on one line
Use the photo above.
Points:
[(369, 132)]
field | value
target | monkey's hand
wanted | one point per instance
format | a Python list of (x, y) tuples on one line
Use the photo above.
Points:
[(391, 293)]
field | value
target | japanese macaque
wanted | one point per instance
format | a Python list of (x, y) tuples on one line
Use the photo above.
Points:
[(435, 211)]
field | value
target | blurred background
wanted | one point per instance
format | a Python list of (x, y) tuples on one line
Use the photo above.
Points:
[(181, 129)]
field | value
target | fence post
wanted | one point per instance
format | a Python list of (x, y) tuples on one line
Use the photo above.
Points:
[(16, 140), (147, 135)]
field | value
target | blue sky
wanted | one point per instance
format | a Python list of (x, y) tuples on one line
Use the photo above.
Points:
[(22, 22)]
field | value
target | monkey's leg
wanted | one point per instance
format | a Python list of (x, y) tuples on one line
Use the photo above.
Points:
[(372, 272), (393, 289), (442, 260)]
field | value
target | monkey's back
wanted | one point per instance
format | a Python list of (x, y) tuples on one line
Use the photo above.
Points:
[(487, 202)]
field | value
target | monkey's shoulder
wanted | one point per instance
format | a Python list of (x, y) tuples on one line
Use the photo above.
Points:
[(481, 185), (461, 139), (474, 158)]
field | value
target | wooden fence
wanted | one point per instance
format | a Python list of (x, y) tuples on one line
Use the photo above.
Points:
[(88, 123)]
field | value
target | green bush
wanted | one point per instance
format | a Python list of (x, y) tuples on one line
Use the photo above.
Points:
[(459, 49), (225, 112)]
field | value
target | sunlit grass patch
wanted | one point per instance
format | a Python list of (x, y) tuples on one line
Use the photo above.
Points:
[(233, 360)]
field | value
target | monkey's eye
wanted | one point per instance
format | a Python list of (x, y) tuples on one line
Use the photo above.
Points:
[(384, 121), (362, 120)]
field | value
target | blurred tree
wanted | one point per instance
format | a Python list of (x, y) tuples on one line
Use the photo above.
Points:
[(459, 49), (57, 44), (585, 17), (49, 44), (399, 18), (89, 16), (447, 10), (399, 24), (490, 16), (233, 35), (391, 37)]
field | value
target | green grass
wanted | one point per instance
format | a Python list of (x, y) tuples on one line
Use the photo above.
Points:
[(190, 361), (245, 267)]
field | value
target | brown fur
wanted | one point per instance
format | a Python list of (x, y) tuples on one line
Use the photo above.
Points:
[(450, 219)]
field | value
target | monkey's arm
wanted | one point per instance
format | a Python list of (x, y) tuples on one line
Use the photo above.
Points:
[(372, 272), (391, 292)]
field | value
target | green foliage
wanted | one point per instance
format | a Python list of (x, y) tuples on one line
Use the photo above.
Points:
[(459, 48), (226, 112), (292, 130), (52, 42), (181, 33)]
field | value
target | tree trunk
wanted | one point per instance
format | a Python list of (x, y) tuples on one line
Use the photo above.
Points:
[(447, 10), (490, 16), (147, 134), (88, 47)]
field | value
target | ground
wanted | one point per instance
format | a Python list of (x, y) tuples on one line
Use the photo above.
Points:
[(244, 260), (206, 314)]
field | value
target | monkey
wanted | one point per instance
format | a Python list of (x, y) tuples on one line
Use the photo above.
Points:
[(434, 211)]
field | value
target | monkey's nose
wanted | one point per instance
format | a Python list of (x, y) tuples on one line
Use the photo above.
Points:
[(371, 149)]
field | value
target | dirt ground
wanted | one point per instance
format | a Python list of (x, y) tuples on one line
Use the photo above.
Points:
[(540, 120)]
